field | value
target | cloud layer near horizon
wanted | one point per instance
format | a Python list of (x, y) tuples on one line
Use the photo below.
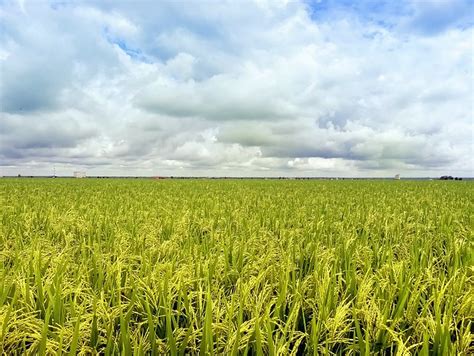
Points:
[(262, 88)]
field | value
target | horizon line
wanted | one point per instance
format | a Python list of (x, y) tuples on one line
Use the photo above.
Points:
[(230, 177)]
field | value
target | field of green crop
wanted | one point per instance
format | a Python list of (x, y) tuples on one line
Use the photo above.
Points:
[(236, 267)]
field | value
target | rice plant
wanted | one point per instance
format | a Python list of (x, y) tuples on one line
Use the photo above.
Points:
[(251, 267)]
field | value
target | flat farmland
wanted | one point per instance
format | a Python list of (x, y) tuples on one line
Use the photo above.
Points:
[(136, 266)]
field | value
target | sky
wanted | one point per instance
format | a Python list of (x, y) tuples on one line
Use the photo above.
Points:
[(237, 88)]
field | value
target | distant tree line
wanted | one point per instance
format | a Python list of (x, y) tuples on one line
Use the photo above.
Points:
[(449, 178)]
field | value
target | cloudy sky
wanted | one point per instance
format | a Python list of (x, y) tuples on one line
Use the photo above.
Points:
[(237, 88)]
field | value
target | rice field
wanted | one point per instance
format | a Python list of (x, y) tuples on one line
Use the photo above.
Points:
[(236, 267)]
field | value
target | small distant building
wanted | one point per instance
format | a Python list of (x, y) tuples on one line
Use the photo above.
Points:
[(79, 174), (397, 177)]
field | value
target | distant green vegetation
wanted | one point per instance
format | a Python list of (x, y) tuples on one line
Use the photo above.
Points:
[(236, 267)]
